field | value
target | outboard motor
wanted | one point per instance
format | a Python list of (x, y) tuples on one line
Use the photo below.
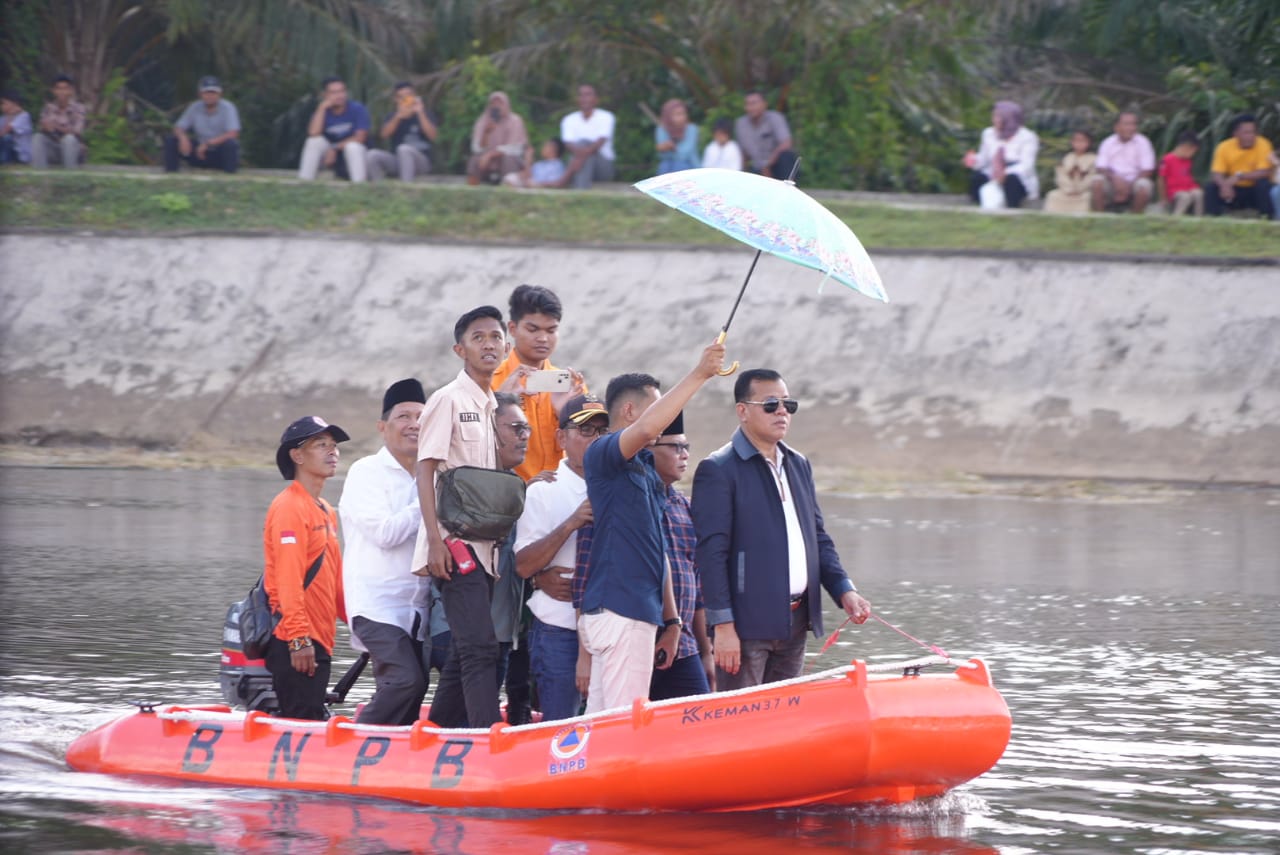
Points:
[(245, 682)]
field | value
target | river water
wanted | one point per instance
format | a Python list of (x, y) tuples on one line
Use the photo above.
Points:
[(1133, 635)]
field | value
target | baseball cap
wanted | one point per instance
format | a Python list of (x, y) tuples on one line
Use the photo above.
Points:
[(582, 408), (299, 432), (209, 83)]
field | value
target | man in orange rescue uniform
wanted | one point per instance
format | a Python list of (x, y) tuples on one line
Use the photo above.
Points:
[(303, 575)]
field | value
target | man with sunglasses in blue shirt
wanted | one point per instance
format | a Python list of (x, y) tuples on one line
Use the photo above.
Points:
[(762, 549)]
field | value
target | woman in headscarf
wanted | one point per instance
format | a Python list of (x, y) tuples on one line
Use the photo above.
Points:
[(1007, 156), (498, 142), (675, 138)]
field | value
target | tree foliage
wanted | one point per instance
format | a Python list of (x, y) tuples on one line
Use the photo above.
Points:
[(881, 94)]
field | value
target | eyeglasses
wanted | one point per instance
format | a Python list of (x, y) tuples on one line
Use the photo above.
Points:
[(680, 447), (590, 431), (770, 404), (521, 429)]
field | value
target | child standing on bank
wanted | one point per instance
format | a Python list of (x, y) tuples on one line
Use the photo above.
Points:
[(1177, 187)]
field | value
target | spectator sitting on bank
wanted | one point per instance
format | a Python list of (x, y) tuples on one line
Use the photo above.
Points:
[(61, 136), (1072, 177), (337, 135), (207, 135), (1275, 186), (548, 171), (410, 130), (15, 129), (675, 138), (588, 134), (765, 138), (498, 142), (1126, 164), (722, 152), (1241, 171), (1007, 157), (1177, 186)]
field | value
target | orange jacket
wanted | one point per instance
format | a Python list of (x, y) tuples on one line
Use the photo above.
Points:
[(544, 451), (297, 530)]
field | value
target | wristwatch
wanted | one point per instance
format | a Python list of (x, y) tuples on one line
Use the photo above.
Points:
[(300, 643), (675, 621)]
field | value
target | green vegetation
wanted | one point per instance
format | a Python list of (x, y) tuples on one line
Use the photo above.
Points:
[(881, 94), (456, 212)]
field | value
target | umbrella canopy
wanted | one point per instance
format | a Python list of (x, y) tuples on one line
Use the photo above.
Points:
[(771, 216)]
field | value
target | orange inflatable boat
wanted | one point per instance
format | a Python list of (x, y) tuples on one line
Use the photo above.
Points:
[(888, 733)]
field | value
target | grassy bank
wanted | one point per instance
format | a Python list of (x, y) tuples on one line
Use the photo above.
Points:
[(146, 203)]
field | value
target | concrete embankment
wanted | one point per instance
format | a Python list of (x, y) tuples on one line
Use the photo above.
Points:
[(1080, 368)]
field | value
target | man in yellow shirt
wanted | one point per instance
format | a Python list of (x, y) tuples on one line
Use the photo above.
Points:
[(534, 327), (1241, 172)]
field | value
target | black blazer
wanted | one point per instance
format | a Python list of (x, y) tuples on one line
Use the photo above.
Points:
[(742, 541)]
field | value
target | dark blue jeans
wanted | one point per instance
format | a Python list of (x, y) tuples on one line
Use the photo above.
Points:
[(685, 677), (553, 661), (225, 157)]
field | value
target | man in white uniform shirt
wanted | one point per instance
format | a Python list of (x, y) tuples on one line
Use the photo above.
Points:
[(380, 519), (588, 135), (546, 547)]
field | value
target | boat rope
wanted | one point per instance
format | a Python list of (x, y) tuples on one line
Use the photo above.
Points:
[(179, 713), (932, 648)]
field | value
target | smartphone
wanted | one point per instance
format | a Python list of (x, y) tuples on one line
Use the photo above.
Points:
[(461, 555), (554, 380)]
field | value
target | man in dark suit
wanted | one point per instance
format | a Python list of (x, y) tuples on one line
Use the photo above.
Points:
[(762, 549)]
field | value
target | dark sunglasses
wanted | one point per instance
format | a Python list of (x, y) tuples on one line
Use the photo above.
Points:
[(680, 447), (590, 430), (520, 428), (770, 404)]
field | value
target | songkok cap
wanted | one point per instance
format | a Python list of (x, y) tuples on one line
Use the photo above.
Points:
[(299, 432), (677, 426), (209, 83), (582, 408), (403, 390)]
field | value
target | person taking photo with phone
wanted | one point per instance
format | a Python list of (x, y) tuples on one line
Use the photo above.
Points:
[(534, 326)]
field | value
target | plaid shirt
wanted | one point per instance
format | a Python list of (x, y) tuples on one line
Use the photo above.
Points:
[(677, 525), (580, 569), (68, 121)]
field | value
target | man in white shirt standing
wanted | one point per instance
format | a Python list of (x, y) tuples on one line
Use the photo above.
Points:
[(546, 548), (588, 135), (380, 519)]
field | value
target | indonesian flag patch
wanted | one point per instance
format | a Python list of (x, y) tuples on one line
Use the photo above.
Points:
[(288, 537)]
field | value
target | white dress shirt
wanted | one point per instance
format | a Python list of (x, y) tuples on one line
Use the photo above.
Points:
[(797, 555), (380, 519), (546, 505), (575, 128)]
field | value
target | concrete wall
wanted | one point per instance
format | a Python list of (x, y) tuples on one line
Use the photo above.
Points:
[(1056, 367)]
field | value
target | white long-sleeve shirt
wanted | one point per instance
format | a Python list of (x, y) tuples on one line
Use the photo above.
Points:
[(1019, 157), (380, 519)]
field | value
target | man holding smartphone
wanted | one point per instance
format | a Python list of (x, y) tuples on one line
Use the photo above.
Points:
[(410, 131), (457, 429), (534, 326)]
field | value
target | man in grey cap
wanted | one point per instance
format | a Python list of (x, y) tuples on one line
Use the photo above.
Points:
[(385, 601), (208, 134), (303, 568)]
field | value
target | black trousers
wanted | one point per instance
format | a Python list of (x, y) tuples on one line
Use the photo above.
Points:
[(299, 696), (225, 157), (513, 667), (1014, 192), (1257, 197), (467, 695), (397, 670)]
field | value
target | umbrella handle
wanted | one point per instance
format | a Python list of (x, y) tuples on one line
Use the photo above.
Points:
[(725, 372)]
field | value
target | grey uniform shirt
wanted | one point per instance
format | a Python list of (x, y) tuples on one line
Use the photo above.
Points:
[(203, 125)]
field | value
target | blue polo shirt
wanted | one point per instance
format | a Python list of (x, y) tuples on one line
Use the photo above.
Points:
[(627, 501), (338, 126)]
